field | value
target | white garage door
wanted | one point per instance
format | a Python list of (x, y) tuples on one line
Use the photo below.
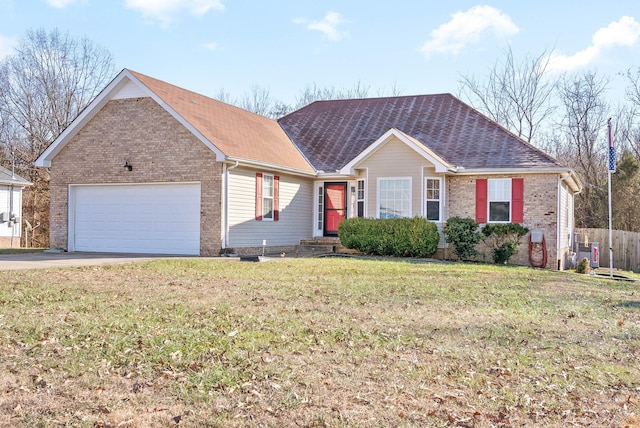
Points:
[(141, 218)]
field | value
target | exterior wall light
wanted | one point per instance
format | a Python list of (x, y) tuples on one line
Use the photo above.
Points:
[(128, 166)]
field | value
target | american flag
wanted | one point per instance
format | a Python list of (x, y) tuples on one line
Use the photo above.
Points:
[(612, 150)]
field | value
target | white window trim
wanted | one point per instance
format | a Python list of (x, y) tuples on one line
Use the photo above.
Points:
[(409, 178), (316, 205), (265, 197), (364, 197), (440, 208), (489, 200)]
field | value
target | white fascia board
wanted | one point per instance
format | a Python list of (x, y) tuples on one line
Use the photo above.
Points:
[(124, 77), (571, 178), (270, 167), (440, 165), (44, 160)]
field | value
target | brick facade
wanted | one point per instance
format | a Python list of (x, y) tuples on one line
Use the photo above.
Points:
[(540, 210), (160, 149)]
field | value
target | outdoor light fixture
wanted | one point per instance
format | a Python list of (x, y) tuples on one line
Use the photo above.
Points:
[(128, 166)]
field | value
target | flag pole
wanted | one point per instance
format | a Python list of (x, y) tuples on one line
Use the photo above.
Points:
[(610, 232), (612, 168)]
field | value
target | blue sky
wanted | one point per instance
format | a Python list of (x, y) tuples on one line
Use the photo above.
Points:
[(418, 46)]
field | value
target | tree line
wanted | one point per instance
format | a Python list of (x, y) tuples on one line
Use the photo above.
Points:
[(52, 76), (566, 116)]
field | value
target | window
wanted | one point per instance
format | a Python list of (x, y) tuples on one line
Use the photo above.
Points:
[(500, 200), (267, 197), (360, 198), (394, 197), (432, 198), (320, 208), (499, 196), (267, 190)]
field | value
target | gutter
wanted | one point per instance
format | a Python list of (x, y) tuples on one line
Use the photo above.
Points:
[(272, 167)]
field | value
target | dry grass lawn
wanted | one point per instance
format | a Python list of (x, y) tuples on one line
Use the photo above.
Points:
[(317, 342)]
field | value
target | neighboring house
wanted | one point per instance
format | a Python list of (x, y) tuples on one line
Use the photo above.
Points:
[(11, 187), (150, 167)]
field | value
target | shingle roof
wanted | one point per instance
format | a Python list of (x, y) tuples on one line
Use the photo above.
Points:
[(6, 177), (332, 133), (234, 131)]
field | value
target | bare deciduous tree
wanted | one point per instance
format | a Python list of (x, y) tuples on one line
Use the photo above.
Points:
[(518, 96), (583, 127), (44, 85)]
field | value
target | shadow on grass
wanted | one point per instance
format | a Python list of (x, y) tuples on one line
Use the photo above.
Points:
[(631, 304)]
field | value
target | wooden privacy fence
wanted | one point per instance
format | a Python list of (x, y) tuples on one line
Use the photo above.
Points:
[(626, 247)]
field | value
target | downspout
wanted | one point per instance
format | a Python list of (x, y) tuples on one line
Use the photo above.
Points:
[(225, 242)]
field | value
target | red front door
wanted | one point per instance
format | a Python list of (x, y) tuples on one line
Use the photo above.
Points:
[(335, 206)]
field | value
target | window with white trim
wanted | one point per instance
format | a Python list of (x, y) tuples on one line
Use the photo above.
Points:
[(320, 207), (433, 193), (499, 199), (394, 197), (267, 197), (360, 198)]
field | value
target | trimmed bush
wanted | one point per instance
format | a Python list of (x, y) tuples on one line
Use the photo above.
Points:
[(506, 239), (463, 234), (398, 237)]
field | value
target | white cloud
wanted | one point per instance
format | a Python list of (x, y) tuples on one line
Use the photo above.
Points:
[(466, 28), (6, 46), (625, 32), (164, 10), (60, 4), (327, 25), (212, 46)]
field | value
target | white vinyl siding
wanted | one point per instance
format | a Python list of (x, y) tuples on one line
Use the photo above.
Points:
[(389, 160), (295, 206), (565, 217), (6, 207)]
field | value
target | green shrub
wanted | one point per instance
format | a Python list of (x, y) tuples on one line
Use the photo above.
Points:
[(399, 237), (464, 235), (584, 266), (505, 239)]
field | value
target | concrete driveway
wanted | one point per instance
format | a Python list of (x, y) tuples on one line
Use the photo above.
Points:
[(44, 260)]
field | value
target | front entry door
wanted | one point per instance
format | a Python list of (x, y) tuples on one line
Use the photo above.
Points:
[(335, 207)]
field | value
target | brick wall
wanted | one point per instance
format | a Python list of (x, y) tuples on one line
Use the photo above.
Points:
[(540, 210), (159, 148)]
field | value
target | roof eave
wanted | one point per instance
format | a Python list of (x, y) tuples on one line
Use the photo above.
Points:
[(567, 174), (440, 164), (271, 167)]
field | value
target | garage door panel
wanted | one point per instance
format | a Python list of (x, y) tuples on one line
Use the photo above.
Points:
[(145, 218)]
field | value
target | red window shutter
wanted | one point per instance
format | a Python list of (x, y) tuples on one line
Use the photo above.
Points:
[(481, 200), (517, 200), (258, 196), (276, 198)]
